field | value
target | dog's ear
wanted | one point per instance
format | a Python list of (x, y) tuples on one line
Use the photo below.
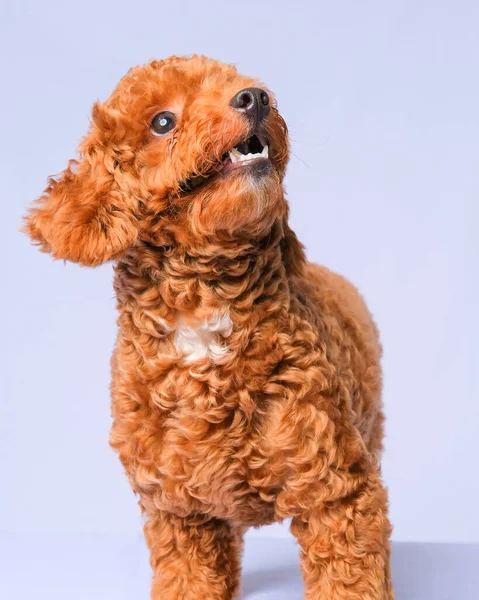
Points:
[(293, 251), (88, 214)]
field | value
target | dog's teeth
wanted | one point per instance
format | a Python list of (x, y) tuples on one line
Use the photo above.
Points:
[(237, 157)]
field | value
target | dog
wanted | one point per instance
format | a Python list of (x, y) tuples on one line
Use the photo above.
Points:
[(246, 381)]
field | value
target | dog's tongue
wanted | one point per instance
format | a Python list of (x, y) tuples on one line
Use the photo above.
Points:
[(242, 147)]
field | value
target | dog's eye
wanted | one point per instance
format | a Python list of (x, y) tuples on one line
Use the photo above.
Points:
[(162, 123)]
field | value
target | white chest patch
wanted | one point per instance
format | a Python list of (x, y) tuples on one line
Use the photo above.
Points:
[(202, 339)]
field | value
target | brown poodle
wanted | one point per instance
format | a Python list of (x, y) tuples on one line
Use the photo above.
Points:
[(246, 381)]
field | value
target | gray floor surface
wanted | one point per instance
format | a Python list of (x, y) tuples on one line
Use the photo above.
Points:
[(114, 568)]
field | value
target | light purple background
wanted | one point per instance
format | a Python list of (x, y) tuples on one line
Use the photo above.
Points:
[(382, 102)]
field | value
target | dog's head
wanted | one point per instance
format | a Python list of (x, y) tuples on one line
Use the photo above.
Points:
[(184, 149)]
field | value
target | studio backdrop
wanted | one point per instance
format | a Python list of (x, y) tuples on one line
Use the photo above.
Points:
[(381, 99)]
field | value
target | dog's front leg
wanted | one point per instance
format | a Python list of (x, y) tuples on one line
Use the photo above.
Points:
[(345, 543), (194, 558)]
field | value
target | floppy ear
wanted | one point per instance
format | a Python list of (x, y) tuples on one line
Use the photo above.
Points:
[(88, 214)]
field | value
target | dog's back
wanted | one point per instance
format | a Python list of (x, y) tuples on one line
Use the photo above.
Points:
[(348, 325)]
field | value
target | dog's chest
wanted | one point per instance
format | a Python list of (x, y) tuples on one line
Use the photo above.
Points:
[(214, 430), (210, 455), (202, 338), (206, 467)]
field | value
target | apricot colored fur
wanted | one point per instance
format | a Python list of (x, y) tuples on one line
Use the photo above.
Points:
[(288, 421)]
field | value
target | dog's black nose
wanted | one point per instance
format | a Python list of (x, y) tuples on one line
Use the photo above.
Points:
[(252, 101)]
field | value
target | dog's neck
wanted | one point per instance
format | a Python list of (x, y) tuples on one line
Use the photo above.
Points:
[(199, 299), (239, 273)]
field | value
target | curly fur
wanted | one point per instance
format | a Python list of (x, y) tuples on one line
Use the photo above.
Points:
[(246, 381)]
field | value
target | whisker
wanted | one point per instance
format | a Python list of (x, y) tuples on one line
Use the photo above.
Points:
[(319, 145), (303, 161)]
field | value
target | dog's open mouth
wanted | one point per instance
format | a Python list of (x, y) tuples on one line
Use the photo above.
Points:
[(249, 153)]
